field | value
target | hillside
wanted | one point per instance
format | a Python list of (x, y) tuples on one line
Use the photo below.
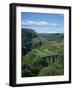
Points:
[(31, 39), (35, 46)]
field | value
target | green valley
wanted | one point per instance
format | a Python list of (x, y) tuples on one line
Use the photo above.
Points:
[(36, 47)]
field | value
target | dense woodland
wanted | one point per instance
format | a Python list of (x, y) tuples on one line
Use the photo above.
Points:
[(42, 53)]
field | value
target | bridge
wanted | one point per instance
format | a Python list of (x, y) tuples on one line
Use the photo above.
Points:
[(53, 58)]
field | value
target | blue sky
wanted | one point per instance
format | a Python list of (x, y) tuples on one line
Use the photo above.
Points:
[(43, 22)]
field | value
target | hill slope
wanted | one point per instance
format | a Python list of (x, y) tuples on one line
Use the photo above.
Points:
[(35, 46), (31, 39)]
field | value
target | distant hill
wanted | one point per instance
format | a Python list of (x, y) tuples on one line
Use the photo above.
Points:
[(52, 36)]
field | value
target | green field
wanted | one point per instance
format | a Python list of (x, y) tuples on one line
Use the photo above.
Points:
[(36, 46)]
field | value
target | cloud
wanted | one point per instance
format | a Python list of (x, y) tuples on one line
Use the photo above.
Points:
[(29, 22), (54, 25), (40, 23)]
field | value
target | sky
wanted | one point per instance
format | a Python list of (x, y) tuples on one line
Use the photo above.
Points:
[(43, 22)]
